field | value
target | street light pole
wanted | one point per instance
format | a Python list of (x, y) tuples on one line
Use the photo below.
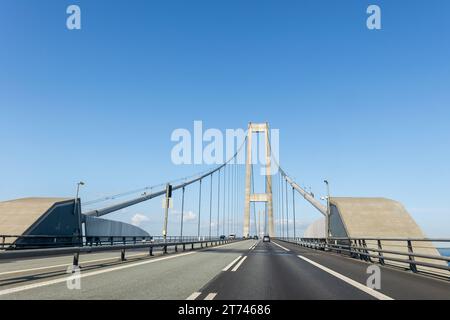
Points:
[(328, 211), (259, 223), (77, 212), (166, 209), (81, 183)]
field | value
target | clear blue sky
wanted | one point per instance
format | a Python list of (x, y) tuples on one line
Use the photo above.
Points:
[(369, 110)]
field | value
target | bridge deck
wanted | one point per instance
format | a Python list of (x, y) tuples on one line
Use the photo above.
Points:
[(265, 271)]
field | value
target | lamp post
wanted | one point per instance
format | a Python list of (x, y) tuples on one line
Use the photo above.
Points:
[(166, 209), (328, 211), (76, 211), (81, 183)]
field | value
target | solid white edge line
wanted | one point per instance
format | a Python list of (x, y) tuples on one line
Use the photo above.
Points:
[(231, 264), (352, 282), (239, 264), (210, 296), (89, 274), (285, 249), (194, 296)]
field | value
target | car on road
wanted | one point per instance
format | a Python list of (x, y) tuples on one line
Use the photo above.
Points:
[(255, 238), (222, 237), (266, 239), (232, 236)]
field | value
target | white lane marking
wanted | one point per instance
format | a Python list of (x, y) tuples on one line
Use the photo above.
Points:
[(285, 249), (211, 296), (194, 296), (352, 282), (89, 274), (231, 264), (239, 264), (254, 246), (68, 264)]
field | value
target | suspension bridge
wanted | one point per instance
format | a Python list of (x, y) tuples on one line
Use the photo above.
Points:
[(362, 248)]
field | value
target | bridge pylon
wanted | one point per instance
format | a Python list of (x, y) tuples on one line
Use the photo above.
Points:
[(261, 128)]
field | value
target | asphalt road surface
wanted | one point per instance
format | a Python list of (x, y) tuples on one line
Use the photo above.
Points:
[(238, 271)]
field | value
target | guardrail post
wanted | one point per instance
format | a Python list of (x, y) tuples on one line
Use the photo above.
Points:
[(412, 265), (380, 254), (165, 249), (361, 256), (192, 246), (184, 247), (150, 251), (122, 255), (176, 248), (353, 252), (368, 258), (76, 258), (339, 245)]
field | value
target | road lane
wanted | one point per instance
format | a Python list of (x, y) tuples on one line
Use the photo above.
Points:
[(11, 266), (173, 278), (237, 271), (395, 283), (270, 273)]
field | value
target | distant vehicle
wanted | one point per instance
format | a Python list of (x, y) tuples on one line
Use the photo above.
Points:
[(232, 236), (266, 239), (222, 237), (255, 237)]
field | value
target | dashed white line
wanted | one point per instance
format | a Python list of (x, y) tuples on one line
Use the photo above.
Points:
[(285, 249), (194, 296), (89, 274), (211, 296), (231, 264), (254, 246), (239, 264), (351, 282)]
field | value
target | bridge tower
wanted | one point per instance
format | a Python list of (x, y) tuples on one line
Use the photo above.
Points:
[(261, 128)]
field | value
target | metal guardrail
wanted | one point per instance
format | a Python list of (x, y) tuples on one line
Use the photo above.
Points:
[(382, 250), (32, 249), (14, 242)]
